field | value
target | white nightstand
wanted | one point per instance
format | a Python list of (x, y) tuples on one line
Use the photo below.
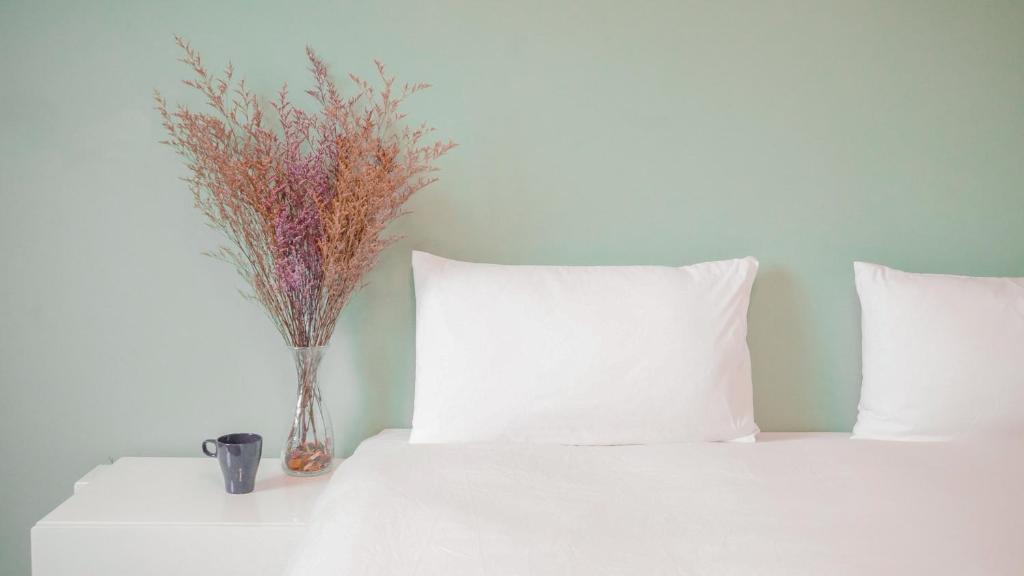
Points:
[(164, 516)]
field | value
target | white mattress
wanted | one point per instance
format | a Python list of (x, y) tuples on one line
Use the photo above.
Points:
[(791, 504)]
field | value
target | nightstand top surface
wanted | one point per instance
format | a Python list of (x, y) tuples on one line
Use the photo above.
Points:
[(186, 491)]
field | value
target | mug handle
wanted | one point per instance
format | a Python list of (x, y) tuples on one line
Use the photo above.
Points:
[(207, 452)]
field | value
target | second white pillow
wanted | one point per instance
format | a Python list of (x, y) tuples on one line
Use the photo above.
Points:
[(582, 355), (943, 355)]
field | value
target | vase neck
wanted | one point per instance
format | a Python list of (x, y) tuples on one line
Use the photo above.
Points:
[(307, 363), (308, 354)]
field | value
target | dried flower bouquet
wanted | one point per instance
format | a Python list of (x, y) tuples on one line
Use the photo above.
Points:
[(302, 201)]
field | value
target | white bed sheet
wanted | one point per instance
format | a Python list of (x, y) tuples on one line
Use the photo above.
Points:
[(791, 504)]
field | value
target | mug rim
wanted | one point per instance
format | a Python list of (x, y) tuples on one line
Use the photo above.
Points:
[(239, 438)]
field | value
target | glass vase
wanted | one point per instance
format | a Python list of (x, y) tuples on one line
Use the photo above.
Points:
[(309, 448)]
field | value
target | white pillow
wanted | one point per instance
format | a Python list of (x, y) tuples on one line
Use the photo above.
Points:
[(582, 355), (943, 356)]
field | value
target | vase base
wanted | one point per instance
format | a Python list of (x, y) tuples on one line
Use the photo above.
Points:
[(303, 474), (310, 459)]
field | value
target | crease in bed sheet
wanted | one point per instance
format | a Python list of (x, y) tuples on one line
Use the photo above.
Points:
[(789, 505)]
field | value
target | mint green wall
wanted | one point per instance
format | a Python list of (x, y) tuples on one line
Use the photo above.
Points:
[(807, 133)]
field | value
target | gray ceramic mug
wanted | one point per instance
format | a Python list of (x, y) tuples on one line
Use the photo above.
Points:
[(239, 457)]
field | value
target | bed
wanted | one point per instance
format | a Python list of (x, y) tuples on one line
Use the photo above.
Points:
[(789, 504)]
